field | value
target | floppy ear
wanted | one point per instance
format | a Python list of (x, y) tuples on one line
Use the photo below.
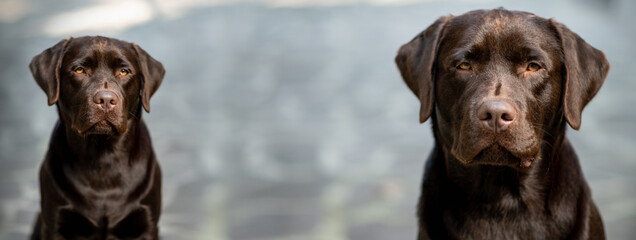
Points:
[(585, 70), (152, 72), (415, 61), (45, 68)]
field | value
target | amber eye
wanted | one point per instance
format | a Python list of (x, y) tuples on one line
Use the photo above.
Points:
[(464, 66), (533, 67), (79, 70), (124, 72)]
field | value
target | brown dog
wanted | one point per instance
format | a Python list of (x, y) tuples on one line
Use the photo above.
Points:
[(100, 178), (499, 87)]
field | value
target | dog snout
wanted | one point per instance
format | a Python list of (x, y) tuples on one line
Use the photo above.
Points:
[(496, 115), (106, 100)]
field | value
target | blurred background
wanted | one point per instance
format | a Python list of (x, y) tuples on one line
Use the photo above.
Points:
[(288, 120)]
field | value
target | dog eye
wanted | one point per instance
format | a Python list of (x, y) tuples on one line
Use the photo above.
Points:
[(79, 70), (124, 72), (464, 66), (533, 67)]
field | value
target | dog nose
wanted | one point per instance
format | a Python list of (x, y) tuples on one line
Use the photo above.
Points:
[(106, 100), (496, 115)]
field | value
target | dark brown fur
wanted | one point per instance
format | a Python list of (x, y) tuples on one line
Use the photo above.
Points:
[(100, 178), (521, 183)]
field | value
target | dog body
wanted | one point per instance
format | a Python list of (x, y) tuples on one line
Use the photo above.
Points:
[(100, 178), (500, 87)]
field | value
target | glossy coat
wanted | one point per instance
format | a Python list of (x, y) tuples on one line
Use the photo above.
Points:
[(100, 178), (519, 182)]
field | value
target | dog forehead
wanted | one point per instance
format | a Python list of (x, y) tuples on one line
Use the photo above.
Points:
[(98, 49), (493, 26), (98, 42), (500, 32)]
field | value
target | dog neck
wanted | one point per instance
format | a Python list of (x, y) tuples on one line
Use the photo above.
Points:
[(483, 183), (98, 151)]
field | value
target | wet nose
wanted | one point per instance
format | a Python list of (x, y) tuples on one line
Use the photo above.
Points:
[(496, 115), (106, 100)]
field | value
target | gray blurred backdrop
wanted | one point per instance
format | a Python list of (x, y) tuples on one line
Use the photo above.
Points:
[(288, 120)]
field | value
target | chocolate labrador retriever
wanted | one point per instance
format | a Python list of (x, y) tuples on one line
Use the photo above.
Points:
[(499, 87), (100, 178)]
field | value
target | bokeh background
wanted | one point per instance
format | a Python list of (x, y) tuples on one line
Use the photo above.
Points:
[(288, 120)]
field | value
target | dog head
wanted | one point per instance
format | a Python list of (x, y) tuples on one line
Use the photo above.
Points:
[(497, 81), (98, 83)]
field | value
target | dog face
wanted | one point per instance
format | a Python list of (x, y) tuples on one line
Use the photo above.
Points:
[(98, 83), (498, 80), (506, 76)]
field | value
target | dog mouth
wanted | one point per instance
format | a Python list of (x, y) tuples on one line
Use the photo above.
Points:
[(519, 147), (500, 155), (102, 127), (99, 123), (497, 154)]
